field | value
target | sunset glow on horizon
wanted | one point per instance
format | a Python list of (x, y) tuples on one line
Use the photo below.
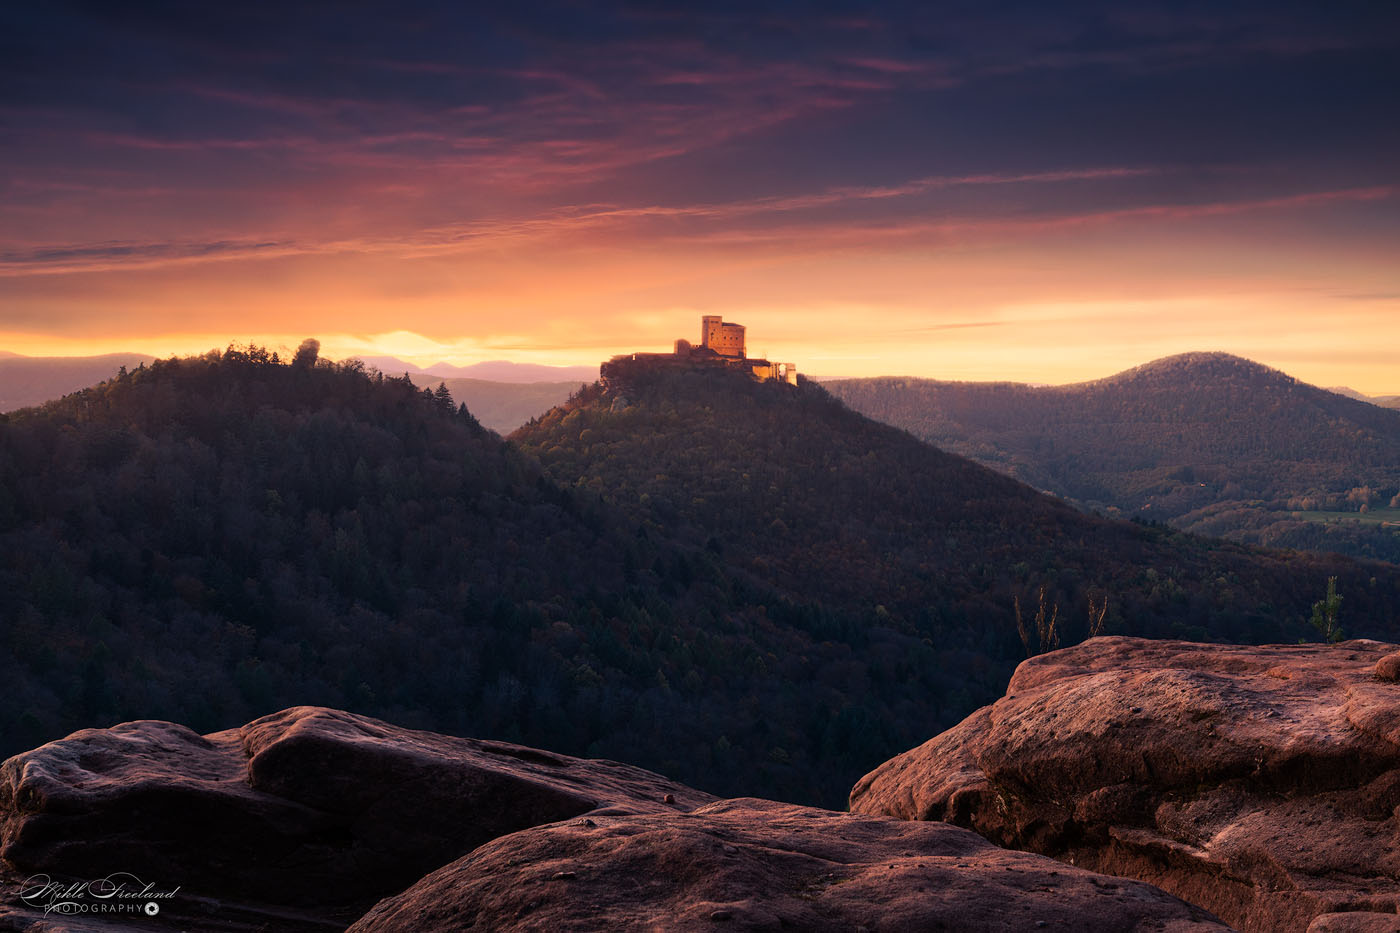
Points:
[(1015, 194)]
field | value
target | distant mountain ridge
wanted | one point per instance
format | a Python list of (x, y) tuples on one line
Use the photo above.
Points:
[(26, 381), (1385, 401), (501, 406), (1209, 441), (491, 370), (503, 395)]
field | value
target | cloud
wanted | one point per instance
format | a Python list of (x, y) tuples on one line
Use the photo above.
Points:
[(1369, 296), (99, 257), (765, 221), (577, 217)]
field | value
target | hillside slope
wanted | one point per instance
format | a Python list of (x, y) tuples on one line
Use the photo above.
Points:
[(791, 486), (1207, 441)]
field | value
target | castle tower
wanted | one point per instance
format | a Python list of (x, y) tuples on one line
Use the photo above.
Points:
[(724, 339)]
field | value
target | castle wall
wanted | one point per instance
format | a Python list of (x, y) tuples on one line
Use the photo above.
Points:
[(765, 371), (722, 346), (724, 339)]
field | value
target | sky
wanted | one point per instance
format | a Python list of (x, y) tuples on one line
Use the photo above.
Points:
[(1029, 191)]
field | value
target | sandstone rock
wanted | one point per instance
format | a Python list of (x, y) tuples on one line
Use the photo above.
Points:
[(308, 806), (755, 864), (1258, 782), (1355, 922), (1388, 667)]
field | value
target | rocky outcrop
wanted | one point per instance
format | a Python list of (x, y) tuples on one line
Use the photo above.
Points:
[(1259, 782), (301, 820), (307, 808), (755, 864)]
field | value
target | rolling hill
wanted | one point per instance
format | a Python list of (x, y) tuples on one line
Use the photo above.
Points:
[(1385, 401), (1207, 442)]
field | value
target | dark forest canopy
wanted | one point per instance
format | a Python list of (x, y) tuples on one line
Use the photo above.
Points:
[(747, 587), (1205, 441)]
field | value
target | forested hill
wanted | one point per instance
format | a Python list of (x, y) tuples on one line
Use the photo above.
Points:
[(207, 540), (747, 587), (210, 538), (1208, 441), (791, 486)]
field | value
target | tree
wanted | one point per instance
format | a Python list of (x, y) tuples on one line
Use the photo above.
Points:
[(307, 353), (1097, 611), (443, 399), (1045, 628), (1325, 613)]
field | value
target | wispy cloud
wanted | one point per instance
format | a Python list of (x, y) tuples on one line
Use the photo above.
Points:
[(1222, 208), (573, 219), (755, 222), (719, 217), (103, 257), (593, 215)]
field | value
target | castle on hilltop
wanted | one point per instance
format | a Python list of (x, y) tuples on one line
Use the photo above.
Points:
[(721, 345)]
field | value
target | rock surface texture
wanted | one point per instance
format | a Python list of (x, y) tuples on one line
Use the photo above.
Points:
[(308, 808), (1259, 782), (753, 864)]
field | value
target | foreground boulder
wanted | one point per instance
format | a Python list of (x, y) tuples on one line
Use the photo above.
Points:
[(307, 808), (1259, 782), (755, 864)]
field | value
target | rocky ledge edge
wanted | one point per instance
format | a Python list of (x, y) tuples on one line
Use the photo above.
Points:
[(310, 818), (1260, 782)]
